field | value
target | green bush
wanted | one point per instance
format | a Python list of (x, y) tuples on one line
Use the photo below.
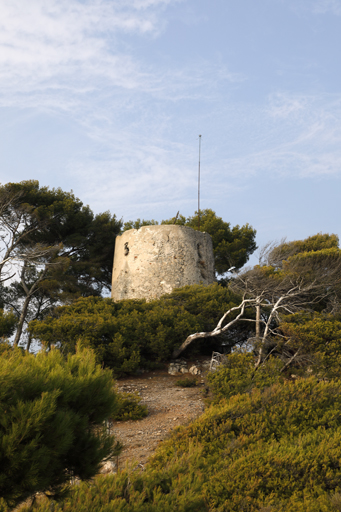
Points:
[(186, 383), (276, 448), (318, 336), (132, 333), (51, 421), (238, 375), (129, 407), (267, 442), (8, 322)]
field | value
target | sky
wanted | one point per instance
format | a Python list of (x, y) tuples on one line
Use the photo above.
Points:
[(107, 98)]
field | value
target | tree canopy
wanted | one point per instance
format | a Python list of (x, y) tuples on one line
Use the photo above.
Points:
[(53, 249), (8, 322), (270, 438), (58, 249)]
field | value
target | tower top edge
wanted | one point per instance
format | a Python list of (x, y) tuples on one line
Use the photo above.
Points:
[(161, 227)]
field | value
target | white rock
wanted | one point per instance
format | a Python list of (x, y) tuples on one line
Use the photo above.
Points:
[(172, 371), (108, 467), (194, 370)]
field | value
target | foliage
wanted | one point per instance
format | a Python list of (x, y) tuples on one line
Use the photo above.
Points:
[(60, 249), (271, 438), (238, 375), (132, 333), (129, 407), (318, 337), (8, 322), (231, 246), (207, 303), (268, 442), (276, 448), (137, 224), (187, 382), (176, 487), (51, 421), (301, 283), (313, 263), (276, 254)]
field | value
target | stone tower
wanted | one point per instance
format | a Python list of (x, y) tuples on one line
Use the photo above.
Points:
[(153, 260)]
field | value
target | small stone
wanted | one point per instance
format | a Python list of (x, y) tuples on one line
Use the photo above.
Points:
[(194, 370), (108, 467)]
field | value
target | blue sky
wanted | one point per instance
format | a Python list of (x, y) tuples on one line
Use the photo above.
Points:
[(108, 97)]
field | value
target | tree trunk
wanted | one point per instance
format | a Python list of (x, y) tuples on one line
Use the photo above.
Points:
[(29, 341), (218, 330), (258, 321), (22, 320)]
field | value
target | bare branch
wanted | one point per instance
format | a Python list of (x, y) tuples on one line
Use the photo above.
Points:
[(217, 330), (290, 360), (287, 282)]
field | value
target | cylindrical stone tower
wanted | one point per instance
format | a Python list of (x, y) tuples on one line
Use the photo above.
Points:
[(153, 260)]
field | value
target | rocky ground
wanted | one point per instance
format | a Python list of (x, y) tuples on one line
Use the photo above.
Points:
[(169, 406)]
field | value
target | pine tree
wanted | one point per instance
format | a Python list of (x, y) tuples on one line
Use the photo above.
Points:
[(52, 414)]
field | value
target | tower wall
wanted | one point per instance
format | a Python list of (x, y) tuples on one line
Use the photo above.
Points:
[(153, 260)]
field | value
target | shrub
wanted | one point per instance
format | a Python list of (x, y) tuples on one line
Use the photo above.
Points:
[(51, 421), (129, 407), (237, 375), (132, 333), (318, 336), (276, 449), (187, 382)]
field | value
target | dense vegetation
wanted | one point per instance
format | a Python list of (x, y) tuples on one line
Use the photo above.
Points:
[(53, 249), (276, 447), (130, 334), (270, 439), (52, 411), (129, 408)]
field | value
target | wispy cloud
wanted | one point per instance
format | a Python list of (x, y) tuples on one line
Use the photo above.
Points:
[(63, 53), (45, 45), (293, 136), (141, 177), (74, 57), (283, 106)]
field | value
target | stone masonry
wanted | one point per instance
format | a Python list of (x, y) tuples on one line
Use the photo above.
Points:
[(153, 260)]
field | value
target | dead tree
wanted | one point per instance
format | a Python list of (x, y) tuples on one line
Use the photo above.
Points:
[(297, 283)]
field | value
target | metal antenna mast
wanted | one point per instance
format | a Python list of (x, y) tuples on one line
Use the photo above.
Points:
[(199, 184)]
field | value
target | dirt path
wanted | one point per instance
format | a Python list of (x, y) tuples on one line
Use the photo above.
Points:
[(168, 405)]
